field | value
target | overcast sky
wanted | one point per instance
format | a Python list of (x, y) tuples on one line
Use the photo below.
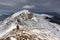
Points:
[(43, 5)]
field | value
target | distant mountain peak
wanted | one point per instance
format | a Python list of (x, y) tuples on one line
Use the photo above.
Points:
[(17, 13)]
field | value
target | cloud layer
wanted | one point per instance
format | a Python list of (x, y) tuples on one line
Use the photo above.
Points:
[(42, 5), (28, 7)]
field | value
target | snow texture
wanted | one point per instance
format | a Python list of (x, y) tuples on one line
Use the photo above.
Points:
[(37, 20)]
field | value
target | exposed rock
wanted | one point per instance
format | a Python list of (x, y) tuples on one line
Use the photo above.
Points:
[(29, 33), (30, 16)]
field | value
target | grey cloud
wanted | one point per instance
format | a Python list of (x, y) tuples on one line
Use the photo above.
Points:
[(21, 1), (51, 5), (44, 5), (28, 7), (12, 4), (7, 3)]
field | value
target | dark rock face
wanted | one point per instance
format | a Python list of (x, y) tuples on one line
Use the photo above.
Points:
[(7, 38), (54, 19), (30, 16)]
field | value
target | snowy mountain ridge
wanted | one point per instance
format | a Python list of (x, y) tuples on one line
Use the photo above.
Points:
[(26, 18), (16, 14)]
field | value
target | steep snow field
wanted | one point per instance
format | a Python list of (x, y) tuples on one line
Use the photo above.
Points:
[(26, 18)]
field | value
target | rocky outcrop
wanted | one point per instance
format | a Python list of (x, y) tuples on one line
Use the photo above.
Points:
[(29, 33)]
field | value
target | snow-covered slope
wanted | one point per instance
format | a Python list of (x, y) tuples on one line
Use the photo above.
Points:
[(26, 18)]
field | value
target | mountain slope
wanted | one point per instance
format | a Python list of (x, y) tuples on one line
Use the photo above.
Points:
[(26, 18)]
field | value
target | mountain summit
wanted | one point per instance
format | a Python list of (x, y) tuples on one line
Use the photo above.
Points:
[(29, 20)]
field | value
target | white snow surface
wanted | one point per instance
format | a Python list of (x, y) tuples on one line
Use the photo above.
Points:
[(13, 38), (37, 21)]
